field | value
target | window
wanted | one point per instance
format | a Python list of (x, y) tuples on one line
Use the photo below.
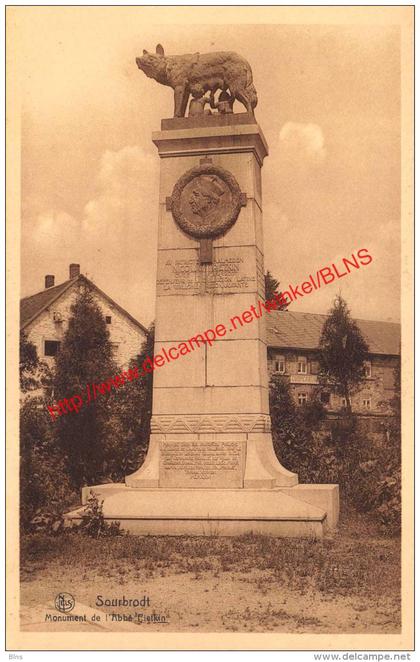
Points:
[(51, 347), (115, 346), (280, 365), (302, 398), (366, 403), (302, 365), (367, 369), (343, 402), (108, 319), (325, 398)]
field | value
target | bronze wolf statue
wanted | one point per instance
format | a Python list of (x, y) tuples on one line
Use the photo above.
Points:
[(199, 74)]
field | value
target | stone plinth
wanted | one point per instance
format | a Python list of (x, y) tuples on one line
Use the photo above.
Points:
[(209, 512), (211, 465)]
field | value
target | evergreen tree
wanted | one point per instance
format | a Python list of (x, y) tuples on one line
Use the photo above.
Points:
[(33, 373), (85, 357), (271, 285), (272, 289), (342, 352)]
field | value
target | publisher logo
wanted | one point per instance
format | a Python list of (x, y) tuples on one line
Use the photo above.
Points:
[(64, 602)]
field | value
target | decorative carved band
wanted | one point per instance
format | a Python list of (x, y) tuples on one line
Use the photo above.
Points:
[(218, 423)]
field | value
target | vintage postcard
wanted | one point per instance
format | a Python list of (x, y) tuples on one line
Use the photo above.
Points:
[(210, 319)]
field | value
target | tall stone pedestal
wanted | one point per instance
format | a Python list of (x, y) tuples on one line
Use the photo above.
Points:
[(211, 463)]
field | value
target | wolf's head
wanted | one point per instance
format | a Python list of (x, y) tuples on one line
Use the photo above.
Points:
[(153, 64)]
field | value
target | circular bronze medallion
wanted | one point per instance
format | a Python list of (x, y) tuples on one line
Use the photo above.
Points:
[(206, 201)]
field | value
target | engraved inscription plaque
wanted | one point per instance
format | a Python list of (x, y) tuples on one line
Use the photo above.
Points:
[(201, 463), (179, 275), (229, 273)]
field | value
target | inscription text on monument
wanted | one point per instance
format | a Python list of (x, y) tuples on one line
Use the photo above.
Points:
[(201, 463), (187, 276)]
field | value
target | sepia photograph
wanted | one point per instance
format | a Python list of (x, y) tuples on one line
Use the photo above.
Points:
[(210, 384)]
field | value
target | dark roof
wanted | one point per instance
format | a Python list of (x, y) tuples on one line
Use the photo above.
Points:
[(303, 331), (31, 307)]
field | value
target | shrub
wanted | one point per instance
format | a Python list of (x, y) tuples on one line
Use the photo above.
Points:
[(372, 479), (298, 444), (93, 521), (313, 411), (369, 476), (45, 488)]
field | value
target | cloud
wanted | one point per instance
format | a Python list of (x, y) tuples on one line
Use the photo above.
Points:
[(114, 240), (125, 188), (295, 177), (51, 224), (302, 142)]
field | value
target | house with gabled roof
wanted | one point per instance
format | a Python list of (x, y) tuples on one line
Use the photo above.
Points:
[(293, 340), (44, 317)]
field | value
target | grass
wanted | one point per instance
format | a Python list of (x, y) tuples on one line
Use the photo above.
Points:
[(355, 565), (343, 564)]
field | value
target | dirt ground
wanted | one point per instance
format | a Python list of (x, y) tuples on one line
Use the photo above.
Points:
[(347, 583)]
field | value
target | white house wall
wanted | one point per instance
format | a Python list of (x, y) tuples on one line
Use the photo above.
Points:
[(123, 332)]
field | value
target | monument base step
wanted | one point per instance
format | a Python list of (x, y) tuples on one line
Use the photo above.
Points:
[(223, 512)]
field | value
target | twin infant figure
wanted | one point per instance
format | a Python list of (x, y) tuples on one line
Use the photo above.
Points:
[(198, 103)]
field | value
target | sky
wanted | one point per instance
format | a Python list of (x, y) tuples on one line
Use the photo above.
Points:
[(328, 105)]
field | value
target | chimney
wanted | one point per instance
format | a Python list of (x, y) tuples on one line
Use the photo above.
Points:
[(74, 270), (49, 281)]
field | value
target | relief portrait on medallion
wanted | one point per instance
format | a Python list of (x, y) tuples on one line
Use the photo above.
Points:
[(206, 201), (206, 196)]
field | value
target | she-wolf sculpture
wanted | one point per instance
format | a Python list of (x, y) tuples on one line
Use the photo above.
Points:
[(197, 74)]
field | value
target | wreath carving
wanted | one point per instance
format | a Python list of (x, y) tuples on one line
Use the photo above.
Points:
[(206, 201)]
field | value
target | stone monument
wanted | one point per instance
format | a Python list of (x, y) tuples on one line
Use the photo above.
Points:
[(211, 466)]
